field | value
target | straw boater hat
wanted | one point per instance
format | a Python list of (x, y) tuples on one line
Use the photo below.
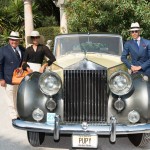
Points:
[(14, 35), (35, 34), (135, 26)]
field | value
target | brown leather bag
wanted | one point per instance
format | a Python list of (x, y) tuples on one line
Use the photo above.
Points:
[(18, 75)]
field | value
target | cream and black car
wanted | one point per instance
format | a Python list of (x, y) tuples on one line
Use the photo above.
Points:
[(86, 93)]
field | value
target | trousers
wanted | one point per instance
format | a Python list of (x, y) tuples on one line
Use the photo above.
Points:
[(11, 97)]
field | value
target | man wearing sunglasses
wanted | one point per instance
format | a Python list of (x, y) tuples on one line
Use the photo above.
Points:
[(139, 50)]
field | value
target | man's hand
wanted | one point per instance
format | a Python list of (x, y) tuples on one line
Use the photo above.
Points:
[(135, 68), (2, 83)]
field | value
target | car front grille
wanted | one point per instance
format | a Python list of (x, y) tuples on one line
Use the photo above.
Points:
[(85, 96)]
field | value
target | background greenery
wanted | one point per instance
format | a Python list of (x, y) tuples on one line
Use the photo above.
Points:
[(114, 16), (49, 33), (45, 14)]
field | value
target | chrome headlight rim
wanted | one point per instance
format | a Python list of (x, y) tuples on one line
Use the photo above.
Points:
[(125, 87), (45, 78)]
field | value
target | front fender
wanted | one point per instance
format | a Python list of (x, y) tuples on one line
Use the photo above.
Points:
[(29, 96), (138, 99)]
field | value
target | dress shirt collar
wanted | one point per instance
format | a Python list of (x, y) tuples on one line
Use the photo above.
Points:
[(17, 48), (138, 39)]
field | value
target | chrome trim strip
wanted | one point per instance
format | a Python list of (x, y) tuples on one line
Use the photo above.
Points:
[(103, 129)]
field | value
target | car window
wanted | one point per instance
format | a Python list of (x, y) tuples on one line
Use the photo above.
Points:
[(88, 44)]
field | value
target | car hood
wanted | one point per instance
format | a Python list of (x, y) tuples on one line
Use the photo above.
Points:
[(105, 60), (85, 64), (90, 61)]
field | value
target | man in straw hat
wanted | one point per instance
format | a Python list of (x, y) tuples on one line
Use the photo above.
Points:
[(139, 50), (35, 53), (11, 57)]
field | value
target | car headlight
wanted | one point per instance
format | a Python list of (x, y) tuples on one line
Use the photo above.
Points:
[(51, 104), (119, 104), (133, 116), (50, 83), (37, 114), (120, 83)]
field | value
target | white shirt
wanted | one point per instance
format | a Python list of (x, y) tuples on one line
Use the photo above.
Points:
[(17, 49)]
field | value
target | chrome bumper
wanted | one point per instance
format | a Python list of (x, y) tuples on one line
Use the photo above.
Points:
[(111, 129)]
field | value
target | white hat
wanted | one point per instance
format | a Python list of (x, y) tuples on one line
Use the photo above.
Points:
[(35, 34), (135, 26), (14, 35)]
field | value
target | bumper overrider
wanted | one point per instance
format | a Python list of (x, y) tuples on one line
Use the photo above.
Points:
[(111, 129)]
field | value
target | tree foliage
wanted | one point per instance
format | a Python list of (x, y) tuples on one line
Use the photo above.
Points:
[(12, 16), (114, 16), (48, 8)]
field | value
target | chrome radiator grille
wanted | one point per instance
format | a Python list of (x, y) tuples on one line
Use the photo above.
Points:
[(85, 96)]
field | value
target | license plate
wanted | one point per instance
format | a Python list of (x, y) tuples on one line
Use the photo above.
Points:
[(51, 118), (85, 141)]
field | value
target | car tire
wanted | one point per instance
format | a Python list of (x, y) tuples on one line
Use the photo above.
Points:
[(140, 140), (35, 138)]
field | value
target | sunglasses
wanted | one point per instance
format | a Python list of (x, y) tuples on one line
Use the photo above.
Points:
[(134, 31), (35, 37)]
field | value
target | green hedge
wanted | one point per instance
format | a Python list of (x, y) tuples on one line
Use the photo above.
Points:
[(49, 33)]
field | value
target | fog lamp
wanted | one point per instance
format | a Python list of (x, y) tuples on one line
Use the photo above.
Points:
[(119, 104), (37, 114), (51, 104), (133, 116)]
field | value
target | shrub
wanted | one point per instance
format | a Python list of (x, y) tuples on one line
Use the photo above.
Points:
[(49, 33)]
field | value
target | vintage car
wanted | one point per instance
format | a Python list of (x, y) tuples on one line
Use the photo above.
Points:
[(86, 93)]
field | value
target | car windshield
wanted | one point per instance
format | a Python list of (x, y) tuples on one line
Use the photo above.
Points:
[(78, 43)]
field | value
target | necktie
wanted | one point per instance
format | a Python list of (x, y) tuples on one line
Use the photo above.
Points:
[(136, 41), (17, 53)]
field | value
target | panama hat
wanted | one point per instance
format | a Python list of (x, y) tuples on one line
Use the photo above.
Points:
[(35, 34), (14, 35), (135, 26)]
